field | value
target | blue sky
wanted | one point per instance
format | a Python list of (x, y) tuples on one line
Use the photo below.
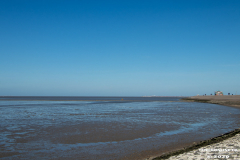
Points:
[(119, 48)]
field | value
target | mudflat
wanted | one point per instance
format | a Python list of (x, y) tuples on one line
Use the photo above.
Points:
[(107, 129)]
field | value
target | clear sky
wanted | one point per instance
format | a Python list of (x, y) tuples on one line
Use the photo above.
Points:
[(119, 47)]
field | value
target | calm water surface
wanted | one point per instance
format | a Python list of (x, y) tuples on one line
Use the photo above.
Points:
[(106, 127)]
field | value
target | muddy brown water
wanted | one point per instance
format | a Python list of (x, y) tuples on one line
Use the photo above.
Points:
[(107, 129)]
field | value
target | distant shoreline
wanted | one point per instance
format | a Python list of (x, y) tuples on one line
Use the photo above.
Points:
[(226, 100), (90, 98)]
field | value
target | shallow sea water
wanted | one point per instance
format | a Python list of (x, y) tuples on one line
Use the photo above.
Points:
[(130, 129)]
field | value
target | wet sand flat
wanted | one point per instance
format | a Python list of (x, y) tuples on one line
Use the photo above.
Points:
[(107, 130)]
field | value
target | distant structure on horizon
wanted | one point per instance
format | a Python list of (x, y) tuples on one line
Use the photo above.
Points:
[(218, 93)]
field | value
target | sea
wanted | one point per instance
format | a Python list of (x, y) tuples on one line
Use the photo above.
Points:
[(106, 128)]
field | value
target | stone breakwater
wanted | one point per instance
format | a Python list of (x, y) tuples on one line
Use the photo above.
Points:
[(227, 149), (226, 146)]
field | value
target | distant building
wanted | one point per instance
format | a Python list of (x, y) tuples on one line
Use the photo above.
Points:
[(218, 93)]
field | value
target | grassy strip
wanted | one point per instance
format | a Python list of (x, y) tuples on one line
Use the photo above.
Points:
[(200, 144)]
